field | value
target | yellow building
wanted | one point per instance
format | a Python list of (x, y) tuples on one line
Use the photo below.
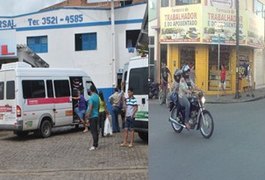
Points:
[(202, 32)]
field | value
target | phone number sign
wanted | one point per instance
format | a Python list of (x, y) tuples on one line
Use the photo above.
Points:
[(53, 20)]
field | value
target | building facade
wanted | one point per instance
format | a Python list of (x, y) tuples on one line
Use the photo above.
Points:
[(203, 33), (81, 37)]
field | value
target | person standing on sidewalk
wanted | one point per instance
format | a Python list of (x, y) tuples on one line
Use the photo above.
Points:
[(92, 115), (131, 109), (164, 80), (122, 105), (223, 79), (115, 101), (102, 112), (250, 82)]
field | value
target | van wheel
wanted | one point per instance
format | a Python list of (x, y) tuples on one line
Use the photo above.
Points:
[(45, 129), (76, 126), (143, 136), (21, 133)]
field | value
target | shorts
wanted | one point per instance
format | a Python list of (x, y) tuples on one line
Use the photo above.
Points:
[(129, 123)]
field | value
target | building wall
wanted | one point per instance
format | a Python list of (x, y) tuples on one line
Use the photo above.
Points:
[(180, 24), (152, 32), (259, 68), (61, 38)]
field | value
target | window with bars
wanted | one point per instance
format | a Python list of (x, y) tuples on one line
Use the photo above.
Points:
[(85, 41), (38, 44)]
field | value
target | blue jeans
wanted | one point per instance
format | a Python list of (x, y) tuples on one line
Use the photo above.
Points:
[(183, 101), (81, 113), (115, 119), (129, 123)]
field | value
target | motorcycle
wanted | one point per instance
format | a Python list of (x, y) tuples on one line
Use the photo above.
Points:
[(201, 118), (153, 90)]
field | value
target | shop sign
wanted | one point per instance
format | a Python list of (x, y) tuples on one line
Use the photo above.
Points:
[(223, 12), (200, 23), (7, 24), (181, 24), (255, 31), (222, 3), (8, 43)]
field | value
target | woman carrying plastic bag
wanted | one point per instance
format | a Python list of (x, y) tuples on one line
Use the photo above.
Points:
[(107, 125)]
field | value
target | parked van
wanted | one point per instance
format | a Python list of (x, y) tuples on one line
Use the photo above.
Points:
[(38, 99), (135, 75)]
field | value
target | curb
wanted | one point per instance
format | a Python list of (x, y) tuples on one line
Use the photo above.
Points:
[(235, 101), (108, 169)]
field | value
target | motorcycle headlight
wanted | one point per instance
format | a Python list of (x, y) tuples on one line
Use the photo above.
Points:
[(203, 99)]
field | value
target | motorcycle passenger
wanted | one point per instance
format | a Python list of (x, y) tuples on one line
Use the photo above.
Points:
[(175, 88), (184, 92)]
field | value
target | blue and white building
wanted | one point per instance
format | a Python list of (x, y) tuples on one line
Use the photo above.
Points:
[(80, 37)]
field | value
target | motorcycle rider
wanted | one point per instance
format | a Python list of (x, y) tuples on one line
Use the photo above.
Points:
[(173, 98), (185, 89)]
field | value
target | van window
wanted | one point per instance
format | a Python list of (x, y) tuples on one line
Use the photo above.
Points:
[(10, 90), (62, 88), (33, 89), (2, 87), (89, 84), (49, 88), (138, 80)]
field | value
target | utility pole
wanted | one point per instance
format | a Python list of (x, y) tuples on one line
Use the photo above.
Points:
[(113, 45), (237, 95)]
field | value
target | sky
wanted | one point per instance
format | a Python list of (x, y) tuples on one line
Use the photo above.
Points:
[(17, 7)]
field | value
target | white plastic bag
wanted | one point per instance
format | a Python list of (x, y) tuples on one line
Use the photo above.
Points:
[(107, 127)]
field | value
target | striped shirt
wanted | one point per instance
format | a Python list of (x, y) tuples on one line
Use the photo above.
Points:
[(131, 103)]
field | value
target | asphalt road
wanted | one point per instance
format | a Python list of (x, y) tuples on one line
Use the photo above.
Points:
[(234, 152)]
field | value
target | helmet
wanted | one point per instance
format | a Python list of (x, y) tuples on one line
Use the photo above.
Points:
[(177, 75), (185, 68)]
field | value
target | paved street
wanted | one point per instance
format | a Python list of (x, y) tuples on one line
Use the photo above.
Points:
[(234, 152), (65, 156)]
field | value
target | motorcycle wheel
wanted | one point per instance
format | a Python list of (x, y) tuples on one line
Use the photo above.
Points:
[(206, 124), (174, 113)]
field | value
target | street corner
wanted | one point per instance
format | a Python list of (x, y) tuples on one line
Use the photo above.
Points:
[(231, 98)]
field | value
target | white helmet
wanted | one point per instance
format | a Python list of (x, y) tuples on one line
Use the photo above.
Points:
[(185, 68), (177, 75)]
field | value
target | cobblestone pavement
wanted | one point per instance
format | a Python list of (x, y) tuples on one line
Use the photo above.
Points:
[(65, 155)]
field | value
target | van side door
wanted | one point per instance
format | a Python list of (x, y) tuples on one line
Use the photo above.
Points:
[(63, 111)]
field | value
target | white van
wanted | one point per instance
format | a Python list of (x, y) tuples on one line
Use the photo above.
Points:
[(135, 75), (37, 99)]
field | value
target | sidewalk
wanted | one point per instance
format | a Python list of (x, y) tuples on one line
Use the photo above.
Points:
[(214, 99)]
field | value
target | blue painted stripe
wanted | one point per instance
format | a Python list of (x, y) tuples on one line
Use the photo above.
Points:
[(103, 23), (130, 21), (107, 92), (70, 8), (6, 29)]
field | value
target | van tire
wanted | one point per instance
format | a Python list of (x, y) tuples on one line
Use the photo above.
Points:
[(76, 126), (143, 136), (45, 129), (21, 134)]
